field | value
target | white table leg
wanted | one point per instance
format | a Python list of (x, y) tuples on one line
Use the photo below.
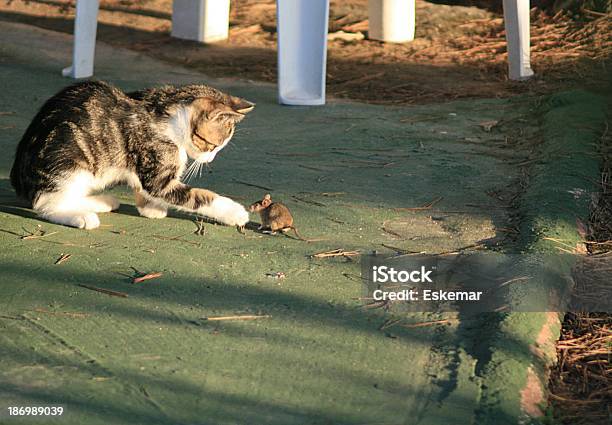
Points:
[(391, 20), (302, 51), (84, 47), (206, 21), (516, 19)]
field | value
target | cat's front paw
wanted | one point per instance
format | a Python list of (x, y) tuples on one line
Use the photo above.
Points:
[(152, 211), (226, 211)]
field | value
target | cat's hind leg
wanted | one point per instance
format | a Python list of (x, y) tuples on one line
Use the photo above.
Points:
[(80, 220), (58, 208), (100, 203), (71, 205)]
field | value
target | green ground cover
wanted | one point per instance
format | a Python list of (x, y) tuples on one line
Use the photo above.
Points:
[(344, 169)]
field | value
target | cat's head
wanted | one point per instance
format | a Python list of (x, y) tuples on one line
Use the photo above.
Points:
[(213, 123), (205, 125)]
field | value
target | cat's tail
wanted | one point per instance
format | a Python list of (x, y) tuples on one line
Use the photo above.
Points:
[(22, 165), (16, 178), (16, 175)]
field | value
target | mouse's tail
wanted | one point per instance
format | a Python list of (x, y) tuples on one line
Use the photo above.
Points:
[(300, 237)]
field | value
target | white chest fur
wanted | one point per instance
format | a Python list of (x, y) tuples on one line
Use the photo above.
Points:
[(182, 160), (178, 128)]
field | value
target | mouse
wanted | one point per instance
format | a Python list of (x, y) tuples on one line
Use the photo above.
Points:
[(274, 217)]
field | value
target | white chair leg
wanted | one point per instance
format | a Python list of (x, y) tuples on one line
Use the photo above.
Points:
[(302, 51), (391, 20), (516, 20), (205, 21), (84, 46)]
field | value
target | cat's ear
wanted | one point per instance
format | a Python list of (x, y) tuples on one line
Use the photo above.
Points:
[(241, 106), (235, 117), (214, 110), (220, 112)]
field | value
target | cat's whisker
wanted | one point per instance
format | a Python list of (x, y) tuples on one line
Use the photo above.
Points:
[(185, 175), (190, 170), (194, 172)]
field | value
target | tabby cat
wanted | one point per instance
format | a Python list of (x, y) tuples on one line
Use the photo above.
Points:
[(92, 136)]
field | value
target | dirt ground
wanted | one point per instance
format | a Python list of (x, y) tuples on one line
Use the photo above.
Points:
[(459, 52), (581, 381)]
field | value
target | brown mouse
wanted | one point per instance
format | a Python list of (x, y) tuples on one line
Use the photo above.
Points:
[(274, 216)]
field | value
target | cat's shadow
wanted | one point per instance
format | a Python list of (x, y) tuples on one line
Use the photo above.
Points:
[(127, 209), (20, 208), (131, 210), (11, 204)]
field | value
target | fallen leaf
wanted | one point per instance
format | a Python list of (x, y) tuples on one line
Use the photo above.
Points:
[(345, 36), (488, 125)]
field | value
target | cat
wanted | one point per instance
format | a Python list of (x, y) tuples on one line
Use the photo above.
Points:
[(91, 136)]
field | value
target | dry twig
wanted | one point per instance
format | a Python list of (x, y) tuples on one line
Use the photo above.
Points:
[(253, 185), (63, 258), (335, 253), (41, 235), (61, 313), (426, 206), (245, 317), (432, 323), (148, 276), (104, 291)]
